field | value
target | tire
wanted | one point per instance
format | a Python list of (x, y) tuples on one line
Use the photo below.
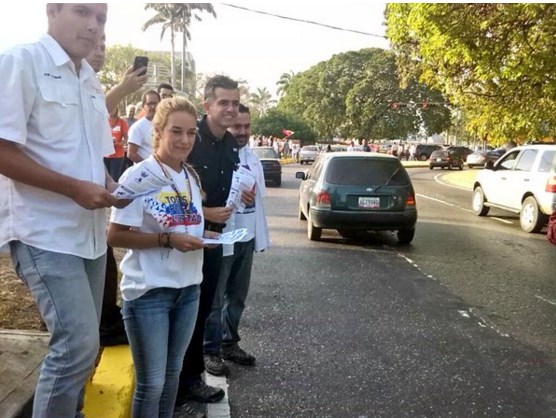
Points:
[(423, 157), (470, 165), (430, 167), (405, 236), (300, 214), (478, 202), (278, 181), (313, 233), (531, 218)]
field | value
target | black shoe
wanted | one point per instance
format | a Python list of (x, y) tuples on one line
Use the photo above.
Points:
[(214, 365), (200, 392), (237, 355), (188, 410)]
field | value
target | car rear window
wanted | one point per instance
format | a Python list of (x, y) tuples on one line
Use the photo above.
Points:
[(366, 172), (309, 148), (547, 161), (436, 154), (265, 152)]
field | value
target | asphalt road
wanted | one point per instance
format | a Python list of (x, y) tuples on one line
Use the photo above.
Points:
[(453, 325)]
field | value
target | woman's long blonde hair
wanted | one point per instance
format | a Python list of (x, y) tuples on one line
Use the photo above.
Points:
[(163, 111)]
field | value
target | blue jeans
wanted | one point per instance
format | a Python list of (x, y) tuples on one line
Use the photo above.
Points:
[(68, 292), (229, 302), (159, 325)]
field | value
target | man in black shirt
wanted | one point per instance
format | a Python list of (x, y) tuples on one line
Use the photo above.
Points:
[(214, 157)]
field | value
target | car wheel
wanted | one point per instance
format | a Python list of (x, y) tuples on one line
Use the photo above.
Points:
[(423, 157), (405, 236), (313, 233), (430, 167), (300, 214), (530, 217), (470, 165), (478, 202), (278, 181)]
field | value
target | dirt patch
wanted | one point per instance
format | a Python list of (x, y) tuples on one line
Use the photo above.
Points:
[(17, 307)]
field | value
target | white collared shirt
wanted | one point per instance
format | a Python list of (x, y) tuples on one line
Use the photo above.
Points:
[(59, 120), (140, 134)]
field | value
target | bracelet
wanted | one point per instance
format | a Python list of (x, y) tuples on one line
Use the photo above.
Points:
[(167, 240)]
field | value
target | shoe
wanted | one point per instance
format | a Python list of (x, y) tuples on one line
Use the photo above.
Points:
[(200, 392), (214, 365), (187, 410), (237, 355)]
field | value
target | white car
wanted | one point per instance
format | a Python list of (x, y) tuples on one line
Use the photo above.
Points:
[(522, 181), (308, 154)]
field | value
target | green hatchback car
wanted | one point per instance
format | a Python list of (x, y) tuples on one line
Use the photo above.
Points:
[(356, 192)]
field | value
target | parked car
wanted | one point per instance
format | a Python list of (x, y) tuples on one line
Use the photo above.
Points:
[(271, 164), (481, 157), (445, 159), (308, 154), (461, 150), (523, 181), (423, 151), (356, 192)]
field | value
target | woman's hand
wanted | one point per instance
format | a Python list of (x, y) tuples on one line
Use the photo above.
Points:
[(213, 235)]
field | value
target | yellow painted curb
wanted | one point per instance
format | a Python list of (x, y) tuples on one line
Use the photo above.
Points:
[(465, 178), (109, 393)]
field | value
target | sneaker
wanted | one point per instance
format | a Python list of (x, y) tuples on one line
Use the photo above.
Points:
[(188, 410), (237, 355), (214, 365), (200, 392)]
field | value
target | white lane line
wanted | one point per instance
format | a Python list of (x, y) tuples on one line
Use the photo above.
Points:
[(437, 178), (552, 302), (220, 409), (501, 220), (443, 202)]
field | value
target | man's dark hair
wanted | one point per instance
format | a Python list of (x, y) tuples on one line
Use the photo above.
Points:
[(147, 93), (164, 86), (219, 81), (243, 109)]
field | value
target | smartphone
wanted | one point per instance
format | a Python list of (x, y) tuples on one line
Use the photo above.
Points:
[(141, 62)]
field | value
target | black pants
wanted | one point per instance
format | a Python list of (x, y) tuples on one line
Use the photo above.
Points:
[(110, 310), (193, 364)]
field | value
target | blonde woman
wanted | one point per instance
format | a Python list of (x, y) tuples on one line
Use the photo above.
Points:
[(162, 269)]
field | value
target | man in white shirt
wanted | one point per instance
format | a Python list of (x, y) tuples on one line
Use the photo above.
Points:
[(54, 133), (221, 332), (139, 143)]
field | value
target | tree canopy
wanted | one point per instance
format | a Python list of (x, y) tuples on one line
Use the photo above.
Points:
[(274, 121), (496, 61), (353, 95)]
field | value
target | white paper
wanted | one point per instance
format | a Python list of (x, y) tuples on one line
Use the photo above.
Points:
[(140, 182), (242, 180), (227, 238)]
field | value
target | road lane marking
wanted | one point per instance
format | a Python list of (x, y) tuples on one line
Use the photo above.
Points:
[(443, 202), (552, 302)]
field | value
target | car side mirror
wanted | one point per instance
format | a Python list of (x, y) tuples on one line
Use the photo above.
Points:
[(301, 175), (489, 165)]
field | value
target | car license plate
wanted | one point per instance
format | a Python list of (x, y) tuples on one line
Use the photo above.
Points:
[(369, 202)]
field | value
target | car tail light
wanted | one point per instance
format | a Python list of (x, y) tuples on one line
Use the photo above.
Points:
[(323, 200), (551, 184), (410, 201)]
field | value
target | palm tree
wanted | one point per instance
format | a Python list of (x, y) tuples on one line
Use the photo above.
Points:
[(284, 83), (167, 16), (261, 100), (183, 27), (176, 17)]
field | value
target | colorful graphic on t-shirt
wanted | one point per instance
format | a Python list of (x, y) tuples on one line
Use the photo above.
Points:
[(167, 209)]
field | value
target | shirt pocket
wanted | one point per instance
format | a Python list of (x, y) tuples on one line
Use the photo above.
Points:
[(58, 111)]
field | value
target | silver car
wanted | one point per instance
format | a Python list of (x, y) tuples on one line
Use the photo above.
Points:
[(522, 181), (308, 154)]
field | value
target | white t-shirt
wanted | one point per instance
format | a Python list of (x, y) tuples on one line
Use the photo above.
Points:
[(59, 120), (140, 134), (161, 211)]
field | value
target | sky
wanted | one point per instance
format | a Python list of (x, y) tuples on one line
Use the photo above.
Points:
[(244, 45)]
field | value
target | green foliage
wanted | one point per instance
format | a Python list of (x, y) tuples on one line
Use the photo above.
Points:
[(351, 95), (260, 101), (274, 121), (496, 61)]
